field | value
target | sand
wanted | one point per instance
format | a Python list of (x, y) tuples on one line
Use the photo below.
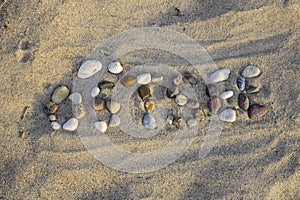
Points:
[(42, 46)]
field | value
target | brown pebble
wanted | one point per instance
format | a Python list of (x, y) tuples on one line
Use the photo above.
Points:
[(243, 101), (200, 115), (149, 105), (215, 105), (212, 90), (192, 104), (172, 94), (144, 92), (190, 78), (128, 81), (257, 111), (50, 108), (52, 118), (180, 123), (99, 103)]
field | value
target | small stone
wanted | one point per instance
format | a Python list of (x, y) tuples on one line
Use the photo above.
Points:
[(99, 103), (71, 124), (113, 106), (95, 91), (101, 126), (89, 68), (149, 105), (219, 75), (181, 100), (241, 83), (257, 111), (227, 115), (170, 119), (144, 92), (250, 71), (157, 79), (178, 80), (76, 98), (115, 67), (50, 108), (143, 79), (212, 90), (180, 123), (214, 105), (171, 94), (55, 125), (149, 121), (128, 81), (52, 118), (200, 115), (193, 104), (106, 85), (226, 95), (79, 111), (243, 101), (192, 122), (60, 94), (114, 121), (190, 78), (252, 89)]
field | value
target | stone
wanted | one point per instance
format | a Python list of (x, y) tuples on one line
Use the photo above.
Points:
[(79, 111), (193, 104), (101, 126), (149, 105), (60, 94), (241, 83), (50, 108), (200, 115), (95, 91), (178, 80), (71, 124), (192, 122), (144, 92), (76, 98), (143, 79), (243, 101), (172, 93), (52, 118), (170, 119), (257, 111), (149, 121), (157, 79), (113, 106), (114, 121), (115, 67), (180, 123), (228, 115), (89, 68), (128, 81), (215, 105), (250, 71), (106, 85), (55, 125), (219, 75), (99, 103), (212, 90), (226, 95), (181, 100), (190, 78), (252, 89)]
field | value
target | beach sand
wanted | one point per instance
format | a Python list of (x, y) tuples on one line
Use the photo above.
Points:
[(44, 42)]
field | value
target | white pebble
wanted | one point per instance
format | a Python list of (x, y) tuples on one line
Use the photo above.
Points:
[(76, 98), (219, 75), (226, 95), (181, 100), (227, 115), (55, 125), (95, 91), (143, 79), (115, 67), (101, 126), (89, 68), (71, 124)]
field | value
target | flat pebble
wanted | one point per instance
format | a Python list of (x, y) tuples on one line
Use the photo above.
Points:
[(170, 119), (257, 111), (106, 84), (219, 75), (226, 94), (243, 101), (190, 78), (89, 68), (50, 108), (99, 103), (227, 115), (60, 94), (149, 105), (71, 124), (101, 126), (128, 80), (149, 121), (144, 92), (143, 79), (79, 111), (178, 80), (200, 115), (252, 89), (172, 93), (113, 106), (114, 121), (192, 122), (180, 123), (115, 67), (193, 104), (241, 83), (52, 118), (215, 105), (55, 125), (76, 98), (95, 91), (250, 71), (181, 100)]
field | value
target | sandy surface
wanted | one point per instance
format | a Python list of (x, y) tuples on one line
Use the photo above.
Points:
[(44, 42)]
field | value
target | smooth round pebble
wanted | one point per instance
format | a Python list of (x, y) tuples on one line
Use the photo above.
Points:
[(60, 94), (106, 84), (113, 106), (243, 101), (214, 105), (50, 108), (227, 115), (89, 68), (101, 126), (178, 80), (76, 98), (149, 121), (226, 95), (95, 91), (144, 92), (257, 111), (55, 125), (149, 105), (114, 121), (143, 79), (241, 83), (181, 100), (115, 67), (52, 118), (219, 75), (172, 93), (192, 122), (71, 124), (99, 103), (79, 111), (128, 81), (250, 71)]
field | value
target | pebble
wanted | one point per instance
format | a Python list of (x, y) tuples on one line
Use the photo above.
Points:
[(190, 78), (128, 81), (171, 94), (149, 105), (252, 89), (212, 90), (180, 123), (71, 124), (114, 121), (55, 125), (79, 111), (60, 94), (219, 75), (144, 92), (193, 104), (178, 80), (50, 108), (76, 98), (143, 79), (241, 83), (115, 67), (181, 100), (149, 121), (243, 101), (226, 94), (106, 85), (101, 126), (52, 118), (200, 115), (227, 115), (250, 71), (170, 119), (192, 122), (214, 105), (95, 91), (99, 103), (89, 68), (113, 106), (257, 111), (157, 79)]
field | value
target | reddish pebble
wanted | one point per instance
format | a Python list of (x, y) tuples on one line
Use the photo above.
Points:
[(257, 111)]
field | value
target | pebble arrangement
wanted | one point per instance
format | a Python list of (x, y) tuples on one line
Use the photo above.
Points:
[(101, 100)]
